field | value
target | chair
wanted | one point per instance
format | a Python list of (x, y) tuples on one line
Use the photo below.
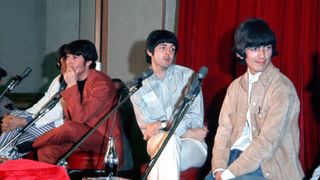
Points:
[(81, 163), (86, 163), (83, 160)]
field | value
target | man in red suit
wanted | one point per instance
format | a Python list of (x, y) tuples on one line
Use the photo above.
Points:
[(88, 97)]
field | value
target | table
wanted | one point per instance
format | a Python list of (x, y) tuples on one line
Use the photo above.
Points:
[(29, 169), (104, 178)]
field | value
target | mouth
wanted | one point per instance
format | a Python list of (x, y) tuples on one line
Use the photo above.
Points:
[(260, 62), (166, 59)]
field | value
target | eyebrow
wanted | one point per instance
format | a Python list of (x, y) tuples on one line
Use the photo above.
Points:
[(167, 45)]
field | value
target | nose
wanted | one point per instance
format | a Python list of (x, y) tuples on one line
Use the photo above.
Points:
[(168, 51), (261, 52), (69, 62), (69, 59)]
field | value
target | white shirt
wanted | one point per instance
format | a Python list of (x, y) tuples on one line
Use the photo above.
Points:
[(56, 113), (246, 137)]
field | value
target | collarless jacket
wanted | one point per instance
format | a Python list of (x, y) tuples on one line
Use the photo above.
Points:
[(99, 97)]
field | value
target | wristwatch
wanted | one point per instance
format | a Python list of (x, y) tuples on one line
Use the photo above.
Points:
[(163, 125)]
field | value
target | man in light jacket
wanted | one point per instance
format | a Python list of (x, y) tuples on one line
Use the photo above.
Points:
[(258, 133)]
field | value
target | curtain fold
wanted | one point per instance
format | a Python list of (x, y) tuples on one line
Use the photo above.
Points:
[(205, 32)]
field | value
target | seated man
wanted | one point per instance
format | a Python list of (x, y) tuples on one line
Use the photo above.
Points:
[(17, 119), (88, 97), (258, 132), (155, 105)]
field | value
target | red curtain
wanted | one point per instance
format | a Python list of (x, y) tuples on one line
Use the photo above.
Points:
[(205, 32)]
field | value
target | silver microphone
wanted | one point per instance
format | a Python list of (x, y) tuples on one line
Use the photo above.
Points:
[(140, 78), (196, 82), (25, 73), (19, 78)]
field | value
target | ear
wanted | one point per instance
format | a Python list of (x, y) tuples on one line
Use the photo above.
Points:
[(149, 53), (238, 56), (88, 63)]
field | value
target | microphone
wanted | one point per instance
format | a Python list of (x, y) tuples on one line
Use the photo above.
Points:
[(19, 78), (25, 73), (63, 83), (140, 78), (196, 82), (62, 87)]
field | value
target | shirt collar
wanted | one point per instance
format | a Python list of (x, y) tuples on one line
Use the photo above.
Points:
[(253, 77), (168, 75), (265, 77)]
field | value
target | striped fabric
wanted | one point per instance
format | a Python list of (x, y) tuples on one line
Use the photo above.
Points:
[(29, 135)]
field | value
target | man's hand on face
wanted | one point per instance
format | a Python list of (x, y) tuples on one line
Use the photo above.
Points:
[(10, 123), (70, 76)]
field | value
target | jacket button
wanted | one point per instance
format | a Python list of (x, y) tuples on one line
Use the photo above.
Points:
[(267, 174)]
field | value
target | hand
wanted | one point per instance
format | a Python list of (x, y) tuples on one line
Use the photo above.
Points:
[(3, 159), (196, 133), (151, 129), (70, 76), (10, 123), (218, 175)]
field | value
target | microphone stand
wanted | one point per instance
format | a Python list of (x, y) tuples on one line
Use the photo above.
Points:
[(15, 81), (188, 100), (45, 108), (10, 86), (62, 161)]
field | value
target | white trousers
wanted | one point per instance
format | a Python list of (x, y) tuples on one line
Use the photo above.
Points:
[(179, 154)]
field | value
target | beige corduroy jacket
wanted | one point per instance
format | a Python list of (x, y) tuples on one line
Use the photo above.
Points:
[(274, 108)]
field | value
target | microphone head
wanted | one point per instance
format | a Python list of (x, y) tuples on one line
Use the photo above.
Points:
[(26, 72), (140, 78), (63, 83), (203, 72)]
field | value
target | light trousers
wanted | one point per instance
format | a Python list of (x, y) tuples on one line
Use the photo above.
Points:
[(179, 154)]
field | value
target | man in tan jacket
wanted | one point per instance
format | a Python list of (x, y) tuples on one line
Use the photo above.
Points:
[(258, 133)]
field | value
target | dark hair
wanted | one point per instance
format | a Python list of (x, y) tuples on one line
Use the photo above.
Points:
[(253, 32), (159, 36), (3, 73), (117, 80), (122, 87), (61, 54), (85, 48)]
